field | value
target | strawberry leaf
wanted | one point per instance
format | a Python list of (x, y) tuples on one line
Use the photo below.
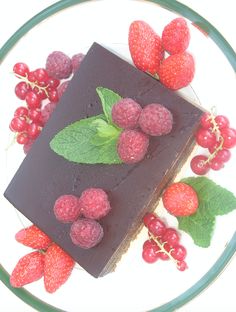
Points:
[(214, 200), (108, 99)]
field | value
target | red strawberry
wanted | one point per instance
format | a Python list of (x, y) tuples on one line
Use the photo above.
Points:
[(33, 237), (176, 36), (58, 267), (177, 70), (180, 199), (145, 47), (29, 269)]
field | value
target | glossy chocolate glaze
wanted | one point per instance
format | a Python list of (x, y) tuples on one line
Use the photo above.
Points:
[(133, 189)]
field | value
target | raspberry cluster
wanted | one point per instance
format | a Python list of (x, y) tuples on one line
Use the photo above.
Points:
[(41, 90), (216, 135), (83, 212), (163, 243), (138, 124)]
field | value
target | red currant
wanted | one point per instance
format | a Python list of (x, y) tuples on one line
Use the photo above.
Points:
[(18, 124), (21, 89), (53, 95), (21, 69), (22, 138), (199, 165), (213, 148), (182, 266), (206, 121), (33, 100), (229, 136), (21, 111), (156, 227), (205, 138), (150, 254), (31, 76), (35, 115), (216, 164), (171, 237), (148, 218), (34, 130), (222, 121), (149, 243), (223, 155), (179, 252), (41, 94), (41, 75), (164, 256), (53, 83)]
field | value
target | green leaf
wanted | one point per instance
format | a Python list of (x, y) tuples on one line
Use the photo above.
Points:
[(76, 142), (108, 99), (214, 200), (105, 133)]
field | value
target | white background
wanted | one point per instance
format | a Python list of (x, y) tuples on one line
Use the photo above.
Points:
[(220, 295)]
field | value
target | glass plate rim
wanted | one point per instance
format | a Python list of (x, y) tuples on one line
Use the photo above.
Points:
[(228, 51)]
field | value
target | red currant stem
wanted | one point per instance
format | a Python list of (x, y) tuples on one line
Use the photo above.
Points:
[(12, 142), (215, 151), (32, 84), (162, 249)]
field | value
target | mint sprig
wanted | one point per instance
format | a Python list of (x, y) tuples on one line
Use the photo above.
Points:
[(91, 140), (214, 201)]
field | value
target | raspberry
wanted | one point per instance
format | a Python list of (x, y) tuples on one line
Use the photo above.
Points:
[(125, 113), (132, 146), (176, 36), (86, 233), (47, 111), (27, 146), (62, 88), (67, 208), (76, 60), (155, 120), (58, 65), (94, 203)]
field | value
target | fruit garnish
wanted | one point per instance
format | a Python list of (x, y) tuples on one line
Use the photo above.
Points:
[(29, 268), (214, 201), (163, 243), (176, 36), (177, 70), (145, 47), (33, 237), (59, 65), (216, 135), (67, 208), (180, 199), (57, 269)]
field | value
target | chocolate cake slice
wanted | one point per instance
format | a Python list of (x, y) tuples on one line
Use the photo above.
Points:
[(132, 189)]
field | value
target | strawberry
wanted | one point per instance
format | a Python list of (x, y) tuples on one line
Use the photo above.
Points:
[(58, 267), (145, 47), (176, 36), (180, 199), (33, 237), (177, 70), (29, 269)]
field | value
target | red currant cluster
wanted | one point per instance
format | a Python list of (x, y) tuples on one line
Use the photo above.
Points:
[(34, 87), (216, 135), (163, 243)]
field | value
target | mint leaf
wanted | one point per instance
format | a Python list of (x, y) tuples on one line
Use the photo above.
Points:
[(220, 201), (105, 133), (214, 200), (77, 141), (108, 99)]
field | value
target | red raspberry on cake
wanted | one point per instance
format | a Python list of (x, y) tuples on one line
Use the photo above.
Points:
[(94, 203), (145, 47), (67, 208), (86, 233), (176, 36), (76, 60), (156, 120), (47, 111), (125, 113), (177, 70), (62, 88), (58, 65), (132, 146)]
